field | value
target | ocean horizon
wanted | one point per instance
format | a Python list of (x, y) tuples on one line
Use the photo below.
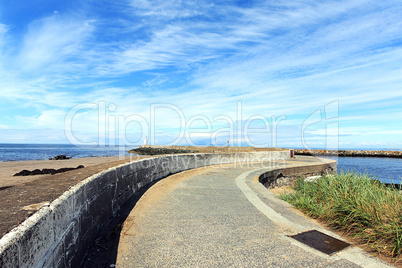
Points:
[(388, 170), (28, 152)]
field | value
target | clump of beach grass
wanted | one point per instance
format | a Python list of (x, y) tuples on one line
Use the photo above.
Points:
[(356, 204)]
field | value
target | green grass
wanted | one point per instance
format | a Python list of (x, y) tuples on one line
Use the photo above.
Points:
[(356, 204)]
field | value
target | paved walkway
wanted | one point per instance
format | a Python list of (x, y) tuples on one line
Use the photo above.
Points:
[(222, 217)]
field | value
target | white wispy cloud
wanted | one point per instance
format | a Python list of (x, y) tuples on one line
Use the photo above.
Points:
[(52, 42), (169, 9), (3, 28), (203, 58)]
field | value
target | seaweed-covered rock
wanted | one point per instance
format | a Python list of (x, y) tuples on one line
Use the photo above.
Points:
[(60, 157), (36, 172), (23, 172), (45, 171), (351, 153), (49, 171)]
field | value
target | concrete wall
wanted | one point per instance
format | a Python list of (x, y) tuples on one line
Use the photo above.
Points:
[(286, 176), (59, 235)]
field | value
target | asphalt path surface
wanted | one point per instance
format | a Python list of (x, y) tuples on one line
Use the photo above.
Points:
[(223, 217)]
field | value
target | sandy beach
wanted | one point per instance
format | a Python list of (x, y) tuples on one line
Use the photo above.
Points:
[(21, 196), (8, 169)]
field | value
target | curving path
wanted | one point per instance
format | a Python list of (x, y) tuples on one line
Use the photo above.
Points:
[(221, 217)]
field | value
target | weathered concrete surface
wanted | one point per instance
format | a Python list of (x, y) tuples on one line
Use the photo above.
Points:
[(300, 166), (223, 217)]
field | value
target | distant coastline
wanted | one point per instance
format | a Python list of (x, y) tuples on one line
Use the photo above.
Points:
[(350, 153)]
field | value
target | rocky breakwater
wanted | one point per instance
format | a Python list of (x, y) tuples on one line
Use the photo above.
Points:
[(159, 151), (173, 149), (350, 153)]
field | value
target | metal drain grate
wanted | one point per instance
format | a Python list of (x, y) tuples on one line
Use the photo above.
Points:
[(320, 241)]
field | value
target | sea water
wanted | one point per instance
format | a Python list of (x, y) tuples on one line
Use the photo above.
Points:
[(388, 170), (23, 152)]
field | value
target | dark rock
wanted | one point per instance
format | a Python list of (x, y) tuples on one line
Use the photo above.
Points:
[(6, 187), (23, 173), (351, 153), (49, 171), (61, 170), (45, 171), (36, 172), (60, 157)]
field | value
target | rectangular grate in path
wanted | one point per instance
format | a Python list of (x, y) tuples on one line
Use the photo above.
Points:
[(320, 241)]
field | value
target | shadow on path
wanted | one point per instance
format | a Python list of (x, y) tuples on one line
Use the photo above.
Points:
[(103, 251)]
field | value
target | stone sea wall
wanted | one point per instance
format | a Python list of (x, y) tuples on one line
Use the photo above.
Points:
[(287, 176), (351, 153), (58, 235)]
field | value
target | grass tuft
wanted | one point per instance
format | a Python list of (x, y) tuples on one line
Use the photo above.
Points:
[(362, 207)]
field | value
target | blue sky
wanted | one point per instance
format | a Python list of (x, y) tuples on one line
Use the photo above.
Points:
[(261, 73)]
